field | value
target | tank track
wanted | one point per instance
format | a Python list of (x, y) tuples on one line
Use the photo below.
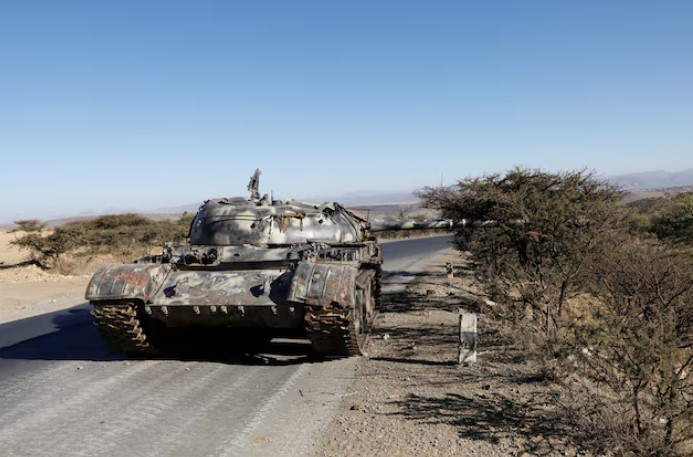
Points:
[(121, 327), (331, 332)]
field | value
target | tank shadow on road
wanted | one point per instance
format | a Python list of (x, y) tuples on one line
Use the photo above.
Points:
[(75, 338), (415, 361)]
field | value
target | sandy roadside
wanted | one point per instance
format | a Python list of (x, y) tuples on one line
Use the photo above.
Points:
[(10, 254), (410, 398), (29, 291)]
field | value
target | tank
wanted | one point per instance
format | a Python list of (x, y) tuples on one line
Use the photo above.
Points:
[(252, 269)]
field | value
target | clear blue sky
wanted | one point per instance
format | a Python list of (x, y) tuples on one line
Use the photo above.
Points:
[(143, 104)]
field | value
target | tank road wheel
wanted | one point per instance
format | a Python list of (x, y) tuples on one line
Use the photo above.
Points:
[(124, 328), (336, 331)]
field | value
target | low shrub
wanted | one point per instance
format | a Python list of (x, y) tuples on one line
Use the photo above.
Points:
[(121, 235), (29, 225)]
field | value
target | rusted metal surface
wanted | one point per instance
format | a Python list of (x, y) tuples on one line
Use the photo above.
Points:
[(119, 324), (128, 281), (224, 288), (324, 284), (237, 221)]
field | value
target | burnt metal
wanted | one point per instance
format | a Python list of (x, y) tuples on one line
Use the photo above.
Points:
[(281, 266)]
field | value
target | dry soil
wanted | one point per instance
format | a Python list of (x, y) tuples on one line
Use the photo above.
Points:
[(410, 398), (29, 291)]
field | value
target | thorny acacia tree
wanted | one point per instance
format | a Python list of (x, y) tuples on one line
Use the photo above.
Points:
[(640, 339), (676, 223), (547, 228), (29, 225), (618, 307)]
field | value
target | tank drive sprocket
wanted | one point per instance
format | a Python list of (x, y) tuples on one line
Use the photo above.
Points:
[(122, 328)]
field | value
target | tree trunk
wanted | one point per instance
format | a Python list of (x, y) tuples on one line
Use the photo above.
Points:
[(636, 409)]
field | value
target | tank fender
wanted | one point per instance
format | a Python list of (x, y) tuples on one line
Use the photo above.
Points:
[(127, 281), (324, 284)]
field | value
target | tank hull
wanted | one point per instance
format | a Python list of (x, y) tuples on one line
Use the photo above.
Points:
[(136, 305), (255, 298)]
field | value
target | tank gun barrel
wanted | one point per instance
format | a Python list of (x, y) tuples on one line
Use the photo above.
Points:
[(382, 226)]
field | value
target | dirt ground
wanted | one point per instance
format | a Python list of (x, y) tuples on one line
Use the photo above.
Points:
[(29, 291), (10, 254), (411, 398)]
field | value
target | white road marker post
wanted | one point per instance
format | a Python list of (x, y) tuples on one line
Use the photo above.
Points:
[(468, 338)]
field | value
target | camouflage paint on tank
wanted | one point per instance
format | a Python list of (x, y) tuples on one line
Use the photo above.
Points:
[(127, 281), (237, 221), (226, 299), (382, 226), (324, 284), (224, 288)]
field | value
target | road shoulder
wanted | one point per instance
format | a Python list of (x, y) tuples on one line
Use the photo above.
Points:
[(411, 398), (29, 291)]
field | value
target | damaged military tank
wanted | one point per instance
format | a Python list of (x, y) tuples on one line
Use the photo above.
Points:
[(252, 267)]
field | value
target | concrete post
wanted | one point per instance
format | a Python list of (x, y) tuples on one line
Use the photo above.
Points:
[(468, 338)]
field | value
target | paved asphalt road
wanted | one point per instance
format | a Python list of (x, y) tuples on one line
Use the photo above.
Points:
[(63, 392)]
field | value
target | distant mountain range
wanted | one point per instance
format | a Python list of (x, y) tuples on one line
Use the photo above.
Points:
[(648, 180), (635, 183), (651, 180)]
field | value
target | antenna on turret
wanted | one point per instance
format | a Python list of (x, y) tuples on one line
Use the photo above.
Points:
[(254, 185)]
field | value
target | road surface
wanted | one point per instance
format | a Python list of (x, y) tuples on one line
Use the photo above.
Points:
[(63, 392)]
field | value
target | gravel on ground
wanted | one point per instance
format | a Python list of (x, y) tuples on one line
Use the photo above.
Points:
[(411, 398)]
